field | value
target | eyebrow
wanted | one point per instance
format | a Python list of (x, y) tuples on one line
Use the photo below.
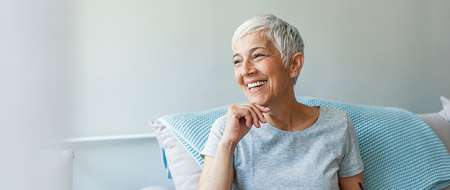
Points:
[(251, 50)]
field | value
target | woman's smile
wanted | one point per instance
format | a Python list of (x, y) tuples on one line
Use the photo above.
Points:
[(256, 86)]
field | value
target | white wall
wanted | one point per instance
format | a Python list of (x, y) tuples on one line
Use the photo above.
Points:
[(34, 91), (103, 67), (137, 60)]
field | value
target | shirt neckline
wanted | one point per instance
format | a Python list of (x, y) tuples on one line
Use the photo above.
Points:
[(306, 130)]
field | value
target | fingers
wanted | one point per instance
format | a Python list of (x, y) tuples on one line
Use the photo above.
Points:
[(248, 118), (242, 114), (251, 113), (258, 113), (255, 116), (262, 108)]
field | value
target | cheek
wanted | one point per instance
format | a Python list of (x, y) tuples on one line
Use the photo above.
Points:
[(277, 80), (266, 67), (237, 77)]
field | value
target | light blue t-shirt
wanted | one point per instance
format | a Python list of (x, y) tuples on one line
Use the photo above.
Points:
[(314, 158)]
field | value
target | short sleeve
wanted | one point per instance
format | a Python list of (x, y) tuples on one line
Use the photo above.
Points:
[(351, 163), (215, 134)]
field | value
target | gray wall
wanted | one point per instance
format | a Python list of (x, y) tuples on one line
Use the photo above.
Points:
[(104, 67), (34, 94), (137, 60)]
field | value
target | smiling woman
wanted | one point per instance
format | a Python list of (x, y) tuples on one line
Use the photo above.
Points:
[(306, 147), (259, 67)]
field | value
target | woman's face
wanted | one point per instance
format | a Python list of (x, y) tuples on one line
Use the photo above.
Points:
[(259, 71)]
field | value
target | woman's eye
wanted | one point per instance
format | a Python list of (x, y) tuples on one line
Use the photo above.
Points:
[(258, 55), (236, 61)]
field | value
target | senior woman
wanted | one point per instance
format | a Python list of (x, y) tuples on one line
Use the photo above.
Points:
[(274, 141)]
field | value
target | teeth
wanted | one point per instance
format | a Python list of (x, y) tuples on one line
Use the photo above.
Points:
[(254, 84)]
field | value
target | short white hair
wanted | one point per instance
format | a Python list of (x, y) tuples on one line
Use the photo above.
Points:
[(284, 36)]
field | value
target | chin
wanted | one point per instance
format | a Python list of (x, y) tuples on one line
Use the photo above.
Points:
[(257, 100), (260, 99)]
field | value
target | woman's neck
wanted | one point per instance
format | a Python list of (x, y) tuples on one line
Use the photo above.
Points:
[(290, 115)]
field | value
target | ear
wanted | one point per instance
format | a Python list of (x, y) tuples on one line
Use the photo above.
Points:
[(296, 64)]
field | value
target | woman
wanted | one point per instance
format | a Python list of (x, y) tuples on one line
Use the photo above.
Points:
[(275, 142)]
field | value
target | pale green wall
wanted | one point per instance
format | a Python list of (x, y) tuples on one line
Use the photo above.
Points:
[(137, 60)]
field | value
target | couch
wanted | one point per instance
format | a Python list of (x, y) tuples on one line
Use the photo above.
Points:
[(184, 171)]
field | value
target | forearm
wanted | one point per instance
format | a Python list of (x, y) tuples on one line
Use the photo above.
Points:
[(220, 174), (352, 182)]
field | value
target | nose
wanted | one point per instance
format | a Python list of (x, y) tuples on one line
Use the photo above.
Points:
[(248, 68)]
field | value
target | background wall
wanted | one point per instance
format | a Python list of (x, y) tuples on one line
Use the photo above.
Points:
[(137, 60), (104, 67), (35, 75)]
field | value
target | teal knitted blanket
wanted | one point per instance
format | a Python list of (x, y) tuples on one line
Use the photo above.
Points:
[(398, 149)]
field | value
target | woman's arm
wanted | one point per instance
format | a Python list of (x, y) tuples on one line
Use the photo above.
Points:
[(352, 161), (352, 182), (218, 170)]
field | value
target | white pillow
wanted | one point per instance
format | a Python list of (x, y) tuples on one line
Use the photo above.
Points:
[(440, 122), (183, 168), (439, 125), (445, 112)]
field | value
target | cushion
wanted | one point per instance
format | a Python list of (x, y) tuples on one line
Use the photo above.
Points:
[(445, 112), (440, 126), (184, 171), (430, 162), (440, 122)]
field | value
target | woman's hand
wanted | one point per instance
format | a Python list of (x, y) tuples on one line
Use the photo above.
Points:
[(240, 120)]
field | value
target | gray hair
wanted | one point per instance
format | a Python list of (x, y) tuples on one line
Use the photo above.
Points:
[(284, 36)]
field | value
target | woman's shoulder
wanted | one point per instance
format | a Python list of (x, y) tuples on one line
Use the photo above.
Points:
[(334, 120), (330, 114), (337, 125)]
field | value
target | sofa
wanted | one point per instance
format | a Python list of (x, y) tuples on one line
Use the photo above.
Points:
[(185, 171)]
